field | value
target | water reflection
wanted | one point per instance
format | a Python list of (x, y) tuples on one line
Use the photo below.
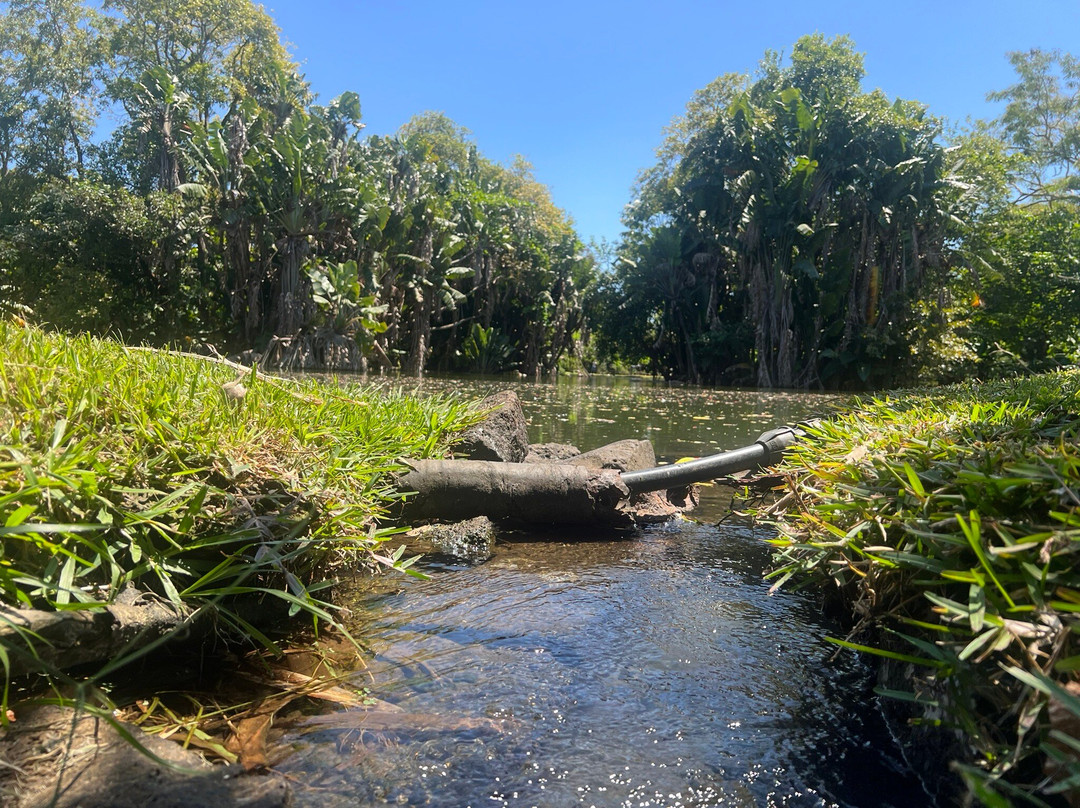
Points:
[(654, 670), (680, 421)]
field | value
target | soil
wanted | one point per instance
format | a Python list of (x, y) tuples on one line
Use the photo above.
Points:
[(51, 757)]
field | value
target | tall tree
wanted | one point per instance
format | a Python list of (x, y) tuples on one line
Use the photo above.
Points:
[(51, 56), (811, 206), (1041, 123), (206, 55)]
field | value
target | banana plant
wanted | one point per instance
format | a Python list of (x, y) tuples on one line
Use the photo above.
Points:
[(825, 206), (343, 308), (161, 109), (487, 350), (305, 190)]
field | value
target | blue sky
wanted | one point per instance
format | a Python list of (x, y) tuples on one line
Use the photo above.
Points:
[(583, 89)]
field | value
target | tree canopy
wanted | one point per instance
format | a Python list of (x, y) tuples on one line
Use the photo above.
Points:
[(228, 205), (788, 230), (797, 230)]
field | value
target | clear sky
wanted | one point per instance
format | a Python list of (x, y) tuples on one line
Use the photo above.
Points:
[(583, 88)]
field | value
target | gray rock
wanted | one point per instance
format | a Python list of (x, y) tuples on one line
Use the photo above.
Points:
[(472, 540), (623, 455), (551, 453), (654, 507), (502, 436)]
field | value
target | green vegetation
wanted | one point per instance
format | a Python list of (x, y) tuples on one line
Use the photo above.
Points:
[(798, 231), (948, 523), (121, 466), (226, 202)]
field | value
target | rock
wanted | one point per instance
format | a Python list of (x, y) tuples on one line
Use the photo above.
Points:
[(634, 455), (68, 638), (502, 436), (653, 507), (102, 770), (472, 540), (551, 453), (623, 455)]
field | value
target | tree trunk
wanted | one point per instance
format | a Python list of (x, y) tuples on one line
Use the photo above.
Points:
[(420, 333), (291, 300), (169, 166), (420, 337)]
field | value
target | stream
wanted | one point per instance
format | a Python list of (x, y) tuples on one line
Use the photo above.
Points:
[(650, 669)]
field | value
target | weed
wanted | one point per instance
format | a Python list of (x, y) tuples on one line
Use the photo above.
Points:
[(124, 468), (949, 523)]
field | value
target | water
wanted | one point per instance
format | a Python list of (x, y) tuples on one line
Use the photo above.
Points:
[(645, 670)]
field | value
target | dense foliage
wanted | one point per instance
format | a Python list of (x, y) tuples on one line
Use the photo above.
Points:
[(948, 522), (796, 231), (800, 232), (227, 205)]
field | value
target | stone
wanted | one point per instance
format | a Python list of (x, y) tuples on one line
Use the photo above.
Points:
[(40, 639), (551, 453), (503, 434), (471, 540), (623, 455), (654, 507)]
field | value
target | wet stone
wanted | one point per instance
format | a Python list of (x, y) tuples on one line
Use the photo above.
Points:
[(472, 540), (655, 507)]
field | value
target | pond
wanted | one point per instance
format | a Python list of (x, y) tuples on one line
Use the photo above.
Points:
[(651, 669)]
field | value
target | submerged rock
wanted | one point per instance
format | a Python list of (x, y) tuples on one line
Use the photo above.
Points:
[(472, 540), (502, 436)]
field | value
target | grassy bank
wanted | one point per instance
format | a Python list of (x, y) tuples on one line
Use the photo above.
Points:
[(948, 523), (122, 467)]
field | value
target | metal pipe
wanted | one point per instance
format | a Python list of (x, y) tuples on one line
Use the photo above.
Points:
[(766, 450)]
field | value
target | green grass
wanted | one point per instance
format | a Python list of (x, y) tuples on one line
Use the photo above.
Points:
[(132, 467), (948, 523)]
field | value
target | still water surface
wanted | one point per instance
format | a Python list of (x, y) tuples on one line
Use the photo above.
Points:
[(653, 669)]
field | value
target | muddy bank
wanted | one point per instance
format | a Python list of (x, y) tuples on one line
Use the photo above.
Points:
[(51, 756)]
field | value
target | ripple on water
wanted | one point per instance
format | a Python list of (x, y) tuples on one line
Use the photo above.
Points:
[(652, 671)]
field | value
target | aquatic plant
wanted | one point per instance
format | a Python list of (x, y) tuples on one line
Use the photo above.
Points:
[(122, 467), (948, 523)]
